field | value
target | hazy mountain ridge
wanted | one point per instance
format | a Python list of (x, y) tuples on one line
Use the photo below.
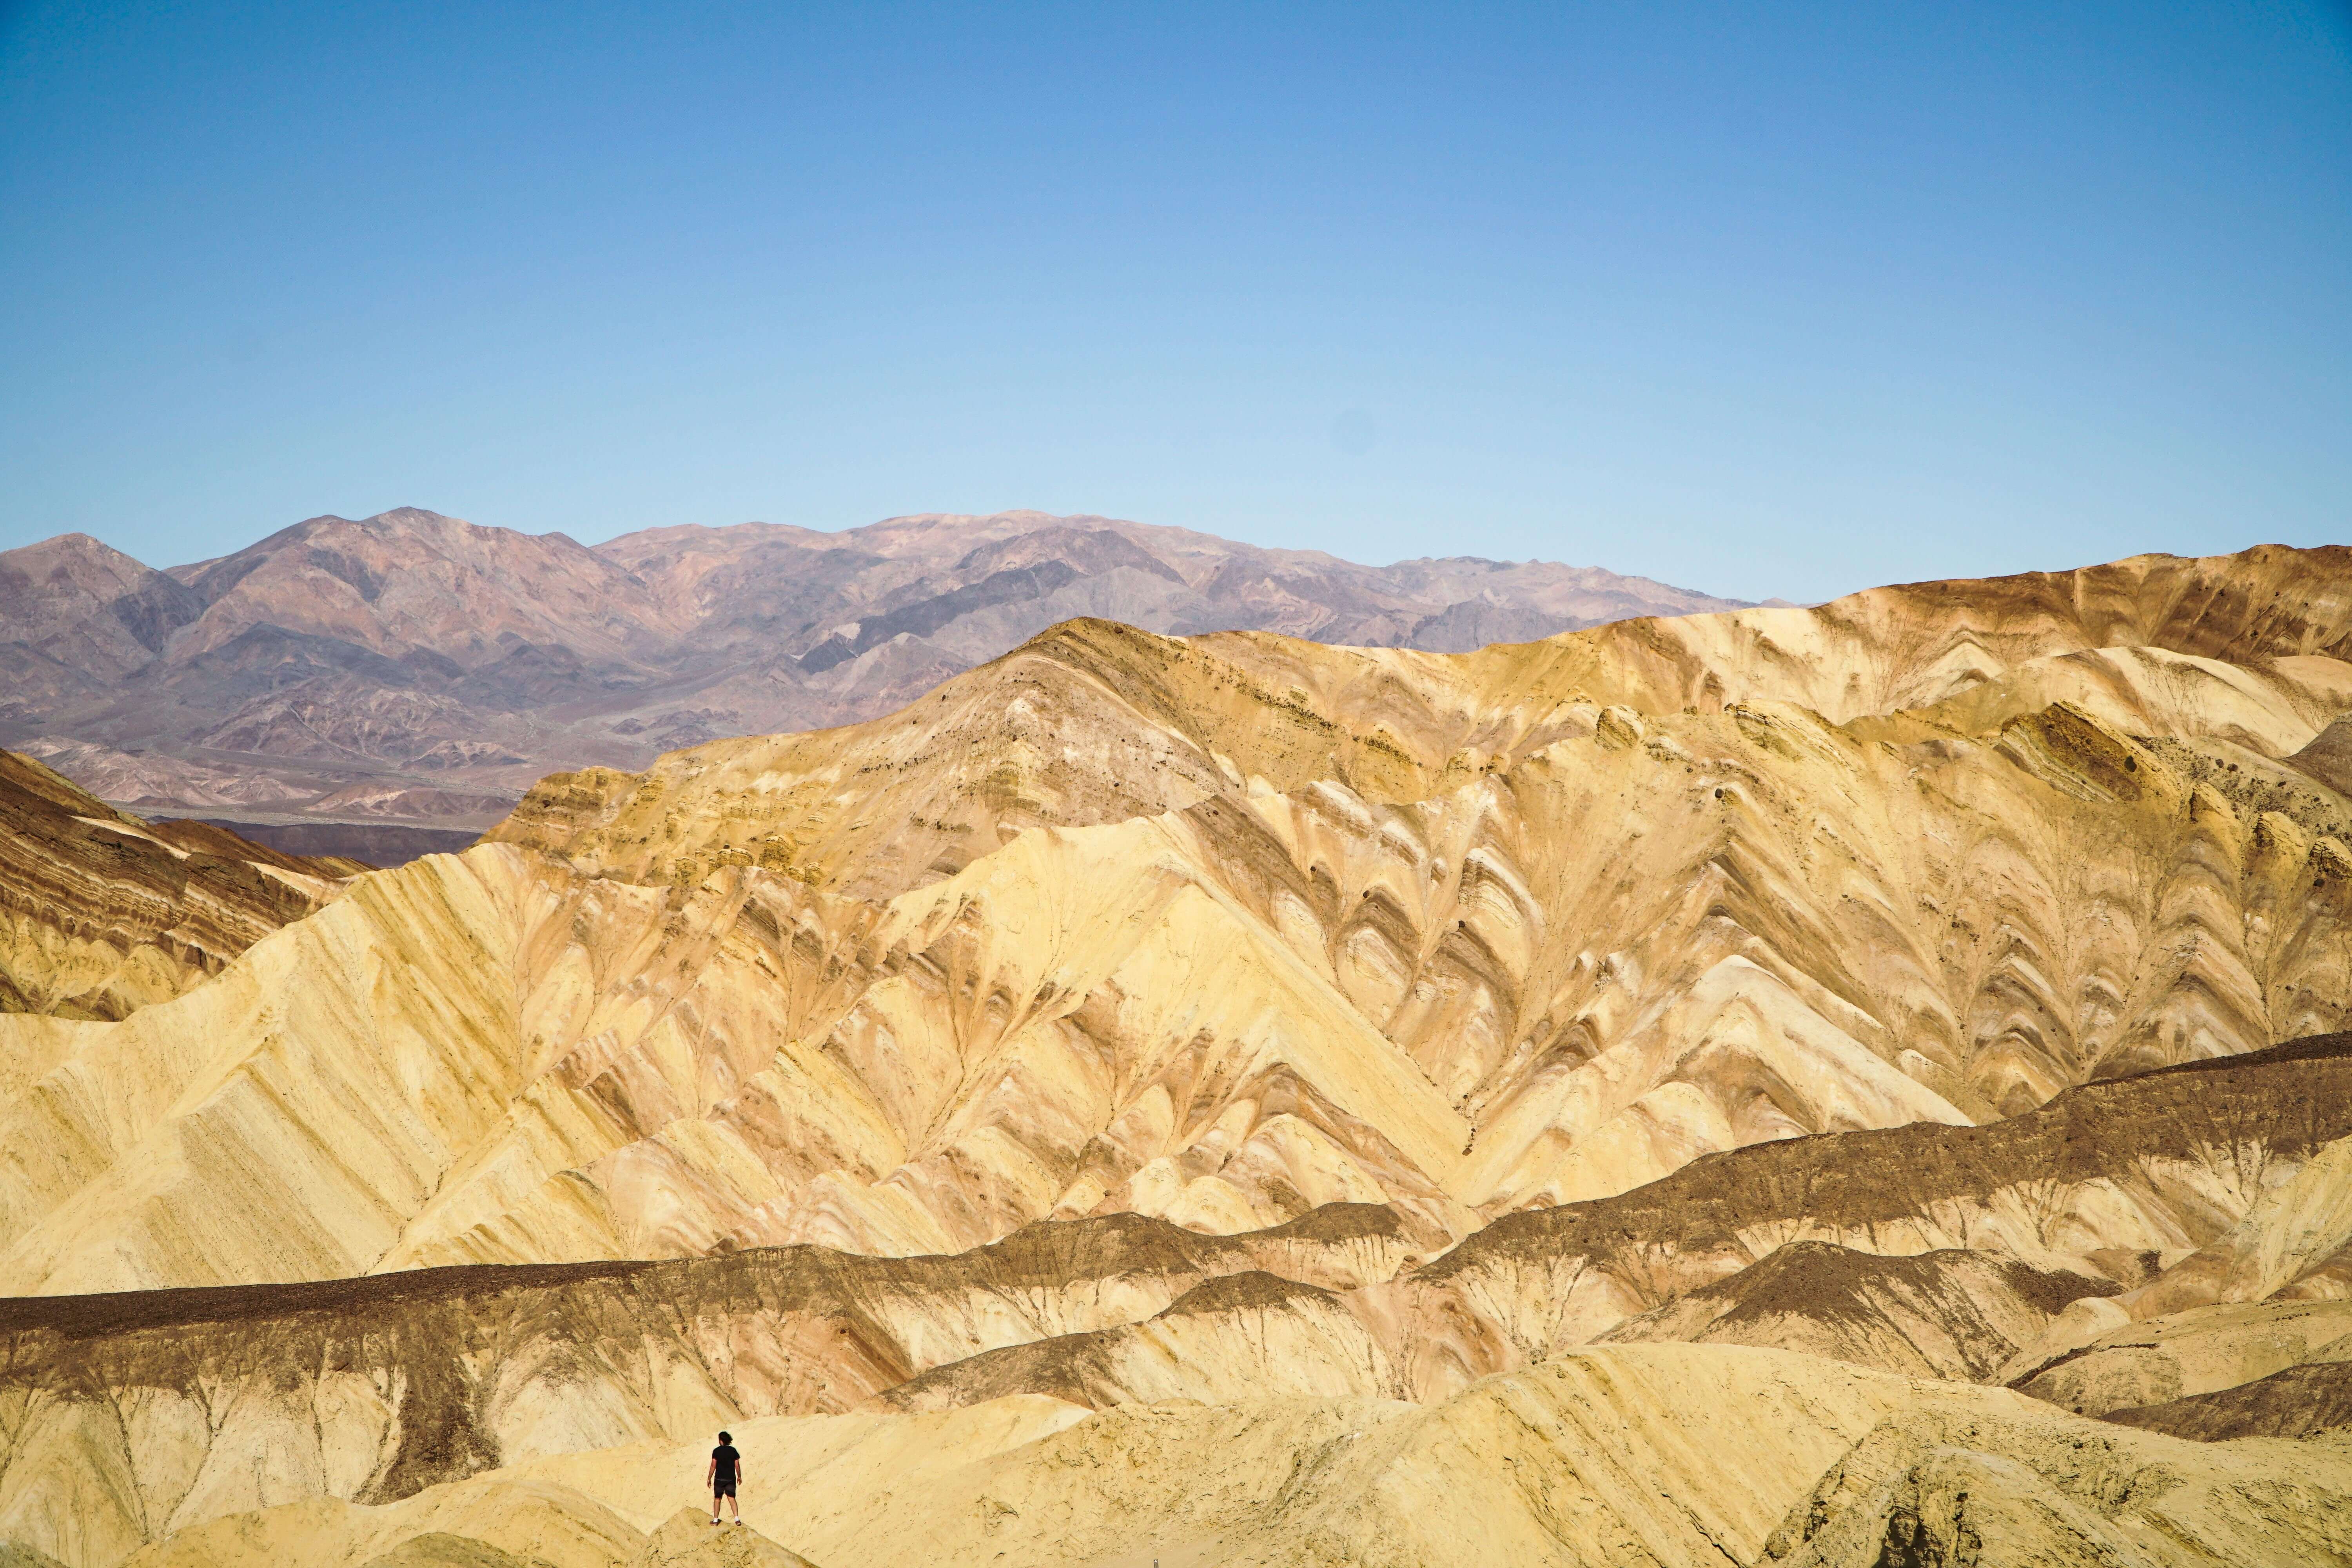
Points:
[(438, 668)]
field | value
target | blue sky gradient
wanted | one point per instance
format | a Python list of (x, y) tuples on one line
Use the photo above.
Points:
[(1758, 300)]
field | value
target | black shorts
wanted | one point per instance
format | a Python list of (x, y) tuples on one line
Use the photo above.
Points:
[(724, 1487)]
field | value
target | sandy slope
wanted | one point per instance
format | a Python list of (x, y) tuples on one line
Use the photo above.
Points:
[(1666, 1454), (1556, 983)]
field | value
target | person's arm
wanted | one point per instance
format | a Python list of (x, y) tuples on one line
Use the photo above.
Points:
[(711, 1472)]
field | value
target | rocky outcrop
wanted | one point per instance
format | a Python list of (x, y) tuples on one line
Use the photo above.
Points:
[(386, 1388), (1237, 1337), (1554, 982), (379, 1390), (689, 1541), (1950, 1314), (2113, 1181), (393, 1384), (2187, 1354), (2300, 1402), (370, 843), (1832, 1246), (647, 1112), (1952, 1487)]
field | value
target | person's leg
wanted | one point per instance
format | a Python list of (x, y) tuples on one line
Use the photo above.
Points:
[(736, 1506), (714, 1506)]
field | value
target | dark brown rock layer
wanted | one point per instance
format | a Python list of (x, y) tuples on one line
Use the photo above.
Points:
[(2300, 1402)]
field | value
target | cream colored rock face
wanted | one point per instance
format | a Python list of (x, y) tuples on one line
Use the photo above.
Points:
[(1554, 983), (513, 1103), (1650, 938)]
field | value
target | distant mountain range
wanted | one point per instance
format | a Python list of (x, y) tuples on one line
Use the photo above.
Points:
[(415, 668)]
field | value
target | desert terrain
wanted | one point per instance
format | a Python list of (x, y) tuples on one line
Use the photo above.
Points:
[(1866, 1084)]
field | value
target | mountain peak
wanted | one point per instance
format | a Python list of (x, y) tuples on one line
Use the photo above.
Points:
[(76, 547), (410, 517)]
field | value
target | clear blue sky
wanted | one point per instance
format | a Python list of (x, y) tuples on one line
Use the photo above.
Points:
[(1760, 299)]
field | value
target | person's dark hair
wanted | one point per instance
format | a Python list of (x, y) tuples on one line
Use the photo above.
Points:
[(726, 1436)]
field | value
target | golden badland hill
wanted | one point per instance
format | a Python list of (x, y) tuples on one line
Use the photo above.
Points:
[(101, 913), (1785, 1085)]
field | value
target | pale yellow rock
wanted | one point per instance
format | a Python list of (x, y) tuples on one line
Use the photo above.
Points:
[(1939, 1486), (2294, 1240), (2273, 708), (170, 1409), (1950, 1315), (525, 1517), (449, 1117), (439, 1549), (2299, 1227), (689, 1540), (1491, 931), (101, 913), (1460, 1007), (1672, 1454), (1244, 1336), (1616, 1122)]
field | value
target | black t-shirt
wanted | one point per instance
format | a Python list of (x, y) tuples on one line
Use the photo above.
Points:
[(726, 1458)]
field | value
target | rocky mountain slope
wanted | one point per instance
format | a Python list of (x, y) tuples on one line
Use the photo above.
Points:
[(1605, 942), (1779, 1086), (416, 668), (101, 913)]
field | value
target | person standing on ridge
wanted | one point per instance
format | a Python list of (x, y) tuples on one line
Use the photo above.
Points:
[(725, 1471)]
